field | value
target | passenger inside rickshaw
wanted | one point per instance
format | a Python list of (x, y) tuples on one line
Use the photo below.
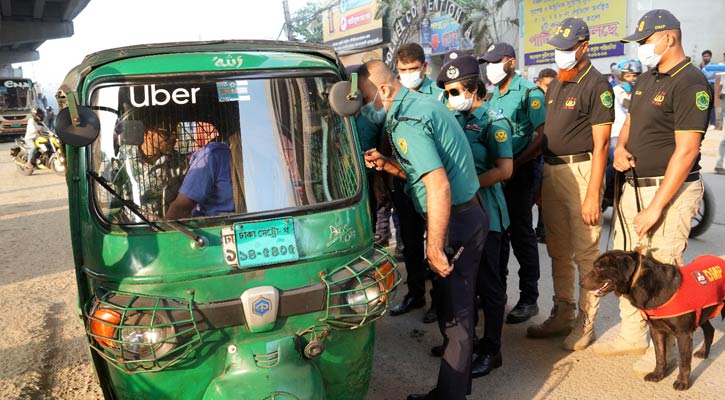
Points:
[(272, 144)]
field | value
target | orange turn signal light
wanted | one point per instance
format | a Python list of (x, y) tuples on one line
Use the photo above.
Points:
[(103, 325), (386, 277)]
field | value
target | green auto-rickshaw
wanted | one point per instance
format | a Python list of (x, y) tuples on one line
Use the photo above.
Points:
[(272, 297)]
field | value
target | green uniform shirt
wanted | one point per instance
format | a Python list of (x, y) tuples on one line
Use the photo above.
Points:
[(489, 141), (526, 114), (429, 87), (425, 136)]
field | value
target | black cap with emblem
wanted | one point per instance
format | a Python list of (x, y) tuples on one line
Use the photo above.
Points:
[(496, 52), (570, 32), (653, 21), (462, 66)]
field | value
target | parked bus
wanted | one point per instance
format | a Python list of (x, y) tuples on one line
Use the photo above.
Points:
[(17, 98)]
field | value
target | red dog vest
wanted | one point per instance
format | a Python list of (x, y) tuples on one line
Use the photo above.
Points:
[(702, 286)]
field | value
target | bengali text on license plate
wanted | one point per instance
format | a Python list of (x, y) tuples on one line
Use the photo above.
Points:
[(265, 242)]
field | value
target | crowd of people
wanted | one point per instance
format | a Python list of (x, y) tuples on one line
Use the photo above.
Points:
[(462, 169)]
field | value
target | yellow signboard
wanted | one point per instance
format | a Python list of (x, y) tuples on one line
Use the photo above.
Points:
[(607, 21)]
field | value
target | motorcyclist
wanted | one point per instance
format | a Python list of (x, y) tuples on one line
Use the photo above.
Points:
[(626, 73), (35, 128)]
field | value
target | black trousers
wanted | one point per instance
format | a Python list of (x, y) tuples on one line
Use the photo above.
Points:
[(455, 296), (519, 193), (412, 230), (491, 289)]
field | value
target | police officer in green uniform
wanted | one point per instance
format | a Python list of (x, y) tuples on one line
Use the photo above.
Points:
[(412, 68), (579, 117), (490, 143), (660, 142), (522, 102), (431, 152), (411, 64)]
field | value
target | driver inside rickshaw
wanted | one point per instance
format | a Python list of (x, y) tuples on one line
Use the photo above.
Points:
[(207, 189)]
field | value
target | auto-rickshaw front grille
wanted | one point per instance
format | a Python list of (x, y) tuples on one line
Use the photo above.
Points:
[(138, 333), (358, 292)]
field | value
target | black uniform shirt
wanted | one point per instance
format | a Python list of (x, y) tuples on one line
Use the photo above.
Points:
[(662, 104), (572, 108)]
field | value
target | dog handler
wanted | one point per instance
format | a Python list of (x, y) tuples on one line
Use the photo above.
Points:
[(579, 116), (660, 142)]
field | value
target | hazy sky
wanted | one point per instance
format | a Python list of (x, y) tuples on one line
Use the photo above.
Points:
[(105, 24)]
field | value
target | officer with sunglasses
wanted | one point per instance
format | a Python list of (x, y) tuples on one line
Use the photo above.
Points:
[(490, 142)]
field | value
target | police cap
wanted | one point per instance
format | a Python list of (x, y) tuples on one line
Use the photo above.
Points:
[(496, 52), (462, 66), (570, 32), (653, 21)]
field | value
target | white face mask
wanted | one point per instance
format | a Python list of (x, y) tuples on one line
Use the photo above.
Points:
[(495, 72), (460, 102), (565, 59), (647, 56), (411, 80)]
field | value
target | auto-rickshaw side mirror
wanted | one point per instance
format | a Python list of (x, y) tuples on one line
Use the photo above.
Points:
[(79, 128), (131, 132), (345, 98)]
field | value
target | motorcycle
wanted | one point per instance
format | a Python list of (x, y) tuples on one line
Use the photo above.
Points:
[(50, 154)]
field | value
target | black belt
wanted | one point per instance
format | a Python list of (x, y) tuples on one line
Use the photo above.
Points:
[(648, 182), (574, 158), (465, 206)]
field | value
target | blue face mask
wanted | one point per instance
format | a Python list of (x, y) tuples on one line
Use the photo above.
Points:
[(626, 86), (375, 116)]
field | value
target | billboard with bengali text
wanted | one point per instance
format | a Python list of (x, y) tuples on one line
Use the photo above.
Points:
[(607, 21), (445, 34), (351, 24)]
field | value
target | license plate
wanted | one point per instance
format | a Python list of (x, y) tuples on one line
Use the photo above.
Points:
[(265, 242), (16, 125)]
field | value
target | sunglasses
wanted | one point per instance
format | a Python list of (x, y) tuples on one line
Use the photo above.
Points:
[(453, 92)]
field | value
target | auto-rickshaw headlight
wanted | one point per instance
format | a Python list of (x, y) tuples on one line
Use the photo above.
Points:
[(365, 295), (358, 292), (141, 333), (147, 335)]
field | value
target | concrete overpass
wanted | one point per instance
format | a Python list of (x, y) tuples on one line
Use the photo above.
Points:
[(26, 24)]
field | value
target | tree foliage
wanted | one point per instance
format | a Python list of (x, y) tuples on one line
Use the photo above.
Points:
[(307, 22)]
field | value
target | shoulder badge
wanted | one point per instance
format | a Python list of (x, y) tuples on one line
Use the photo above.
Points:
[(535, 104), (403, 145), (607, 100), (501, 136), (702, 100)]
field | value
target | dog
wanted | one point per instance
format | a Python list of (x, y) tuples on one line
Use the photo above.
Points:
[(657, 289)]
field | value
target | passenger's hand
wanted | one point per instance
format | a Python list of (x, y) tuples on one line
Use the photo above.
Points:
[(591, 210), (645, 220), (374, 159), (623, 159), (438, 262)]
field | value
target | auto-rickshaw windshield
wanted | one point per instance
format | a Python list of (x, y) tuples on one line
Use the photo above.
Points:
[(221, 145)]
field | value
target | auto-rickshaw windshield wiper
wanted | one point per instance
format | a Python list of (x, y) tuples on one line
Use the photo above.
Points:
[(199, 241)]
